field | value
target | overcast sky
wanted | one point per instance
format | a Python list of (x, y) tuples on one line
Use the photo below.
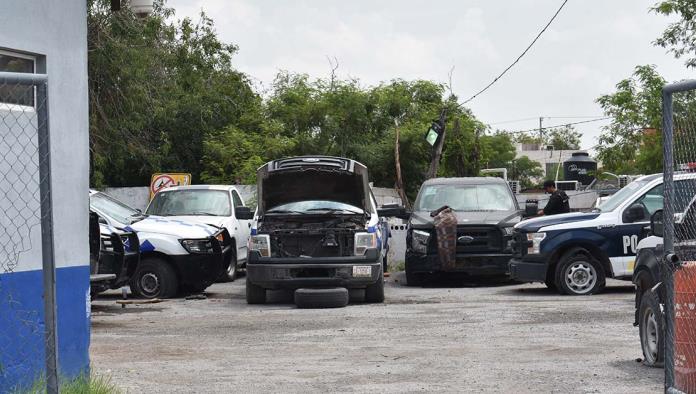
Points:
[(590, 47)]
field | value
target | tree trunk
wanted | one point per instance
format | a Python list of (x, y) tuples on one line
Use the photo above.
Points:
[(437, 155), (399, 180)]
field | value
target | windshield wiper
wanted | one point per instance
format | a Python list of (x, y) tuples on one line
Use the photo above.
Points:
[(334, 210), (136, 217), (203, 214)]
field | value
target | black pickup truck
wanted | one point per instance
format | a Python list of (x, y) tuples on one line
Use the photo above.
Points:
[(486, 212)]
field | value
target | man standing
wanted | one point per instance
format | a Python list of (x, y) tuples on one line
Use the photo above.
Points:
[(558, 201)]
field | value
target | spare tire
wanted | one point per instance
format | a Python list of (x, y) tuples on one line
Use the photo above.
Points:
[(322, 298)]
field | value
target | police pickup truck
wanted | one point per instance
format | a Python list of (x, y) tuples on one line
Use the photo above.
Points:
[(574, 253)]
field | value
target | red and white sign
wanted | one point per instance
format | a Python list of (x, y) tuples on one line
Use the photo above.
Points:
[(163, 181)]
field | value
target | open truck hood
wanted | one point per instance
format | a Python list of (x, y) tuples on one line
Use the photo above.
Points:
[(312, 178)]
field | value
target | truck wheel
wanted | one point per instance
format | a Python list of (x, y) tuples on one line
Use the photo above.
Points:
[(231, 273), (154, 278), (651, 323), (375, 292), (255, 294), (413, 279), (322, 298), (577, 273)]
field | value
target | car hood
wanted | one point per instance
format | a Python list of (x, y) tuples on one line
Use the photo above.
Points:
[(535, 224), (313, 178), (422, 219), (172, 226), (215, 221)]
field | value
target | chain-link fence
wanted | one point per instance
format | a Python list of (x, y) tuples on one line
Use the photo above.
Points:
[(679, 267), (27, 309)]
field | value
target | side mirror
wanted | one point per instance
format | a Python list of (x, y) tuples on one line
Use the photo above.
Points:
[(634, 213), (393, 210), (657, 224), (243, 213), (531, 208)]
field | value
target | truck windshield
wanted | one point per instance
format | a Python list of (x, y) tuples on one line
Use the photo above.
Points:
[(194, 202), (615, 200), (482, 197), (112, 208)]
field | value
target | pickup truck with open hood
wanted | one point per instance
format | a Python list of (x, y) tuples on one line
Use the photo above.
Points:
[(317, 226)]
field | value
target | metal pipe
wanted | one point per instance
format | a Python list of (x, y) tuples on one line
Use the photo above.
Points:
[(47, 249), (23, 78), (667, 271)]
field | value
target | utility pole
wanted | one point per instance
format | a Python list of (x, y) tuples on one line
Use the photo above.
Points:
[(541, 132), (437, 148)]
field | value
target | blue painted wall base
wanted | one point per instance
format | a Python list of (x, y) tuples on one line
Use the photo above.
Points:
[(22, 356)]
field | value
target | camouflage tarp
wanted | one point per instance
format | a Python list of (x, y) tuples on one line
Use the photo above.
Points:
[(446, 229)]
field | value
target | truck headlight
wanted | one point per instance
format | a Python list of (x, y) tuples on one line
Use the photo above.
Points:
[(419, 241), (535, 239), (197, 246), (507, 231), (262, 243), (364, 241)]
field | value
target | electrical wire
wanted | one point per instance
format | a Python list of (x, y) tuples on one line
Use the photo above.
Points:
[(519, 57), (557, 126), (545, 117)]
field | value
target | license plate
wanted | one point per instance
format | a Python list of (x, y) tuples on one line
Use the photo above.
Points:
[(362, 271)]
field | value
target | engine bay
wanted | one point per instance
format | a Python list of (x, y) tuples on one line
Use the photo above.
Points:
[(312, 236)]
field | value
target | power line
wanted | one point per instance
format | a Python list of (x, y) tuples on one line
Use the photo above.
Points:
[(557, 126), (545, 117), (519, 57)]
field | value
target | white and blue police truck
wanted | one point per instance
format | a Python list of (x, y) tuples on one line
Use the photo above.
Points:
[(176, 256), (574, 253)]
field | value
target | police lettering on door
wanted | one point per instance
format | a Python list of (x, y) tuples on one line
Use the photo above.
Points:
[(629, 244)]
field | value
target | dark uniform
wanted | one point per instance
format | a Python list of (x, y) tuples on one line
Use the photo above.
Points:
[(558, 203)]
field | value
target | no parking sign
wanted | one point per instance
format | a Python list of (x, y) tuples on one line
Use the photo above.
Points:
[(162, 181)]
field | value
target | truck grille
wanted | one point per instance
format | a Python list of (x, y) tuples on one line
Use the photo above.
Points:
[(482, 239)]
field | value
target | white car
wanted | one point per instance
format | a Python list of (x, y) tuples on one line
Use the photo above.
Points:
[(176, 256), (209, 204)]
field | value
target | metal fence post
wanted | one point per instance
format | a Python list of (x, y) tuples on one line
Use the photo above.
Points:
[(667, 273), (48, 255)]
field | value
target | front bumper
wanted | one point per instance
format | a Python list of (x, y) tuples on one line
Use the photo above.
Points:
[(489, 264), (528, 269), (202, 270), (295, 273)]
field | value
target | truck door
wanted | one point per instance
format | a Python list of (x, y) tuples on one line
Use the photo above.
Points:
[(242, 229), (635, 218)]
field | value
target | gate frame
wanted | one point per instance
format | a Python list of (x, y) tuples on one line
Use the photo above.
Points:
[(670, 259), (40, 82)]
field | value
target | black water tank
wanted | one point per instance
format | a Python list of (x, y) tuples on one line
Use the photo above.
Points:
[(580, 167)]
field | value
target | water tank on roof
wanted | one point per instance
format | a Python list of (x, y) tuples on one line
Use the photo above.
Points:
[(580, 167)]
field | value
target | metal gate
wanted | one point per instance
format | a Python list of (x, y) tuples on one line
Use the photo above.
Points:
[(26, 229), (679, 266)]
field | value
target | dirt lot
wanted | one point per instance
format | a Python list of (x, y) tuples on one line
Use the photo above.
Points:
[(451, 337)]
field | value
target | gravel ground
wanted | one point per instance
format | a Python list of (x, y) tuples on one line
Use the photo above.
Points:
[(450, 337)]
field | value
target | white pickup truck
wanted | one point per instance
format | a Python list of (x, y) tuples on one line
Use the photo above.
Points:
[(215, 205)]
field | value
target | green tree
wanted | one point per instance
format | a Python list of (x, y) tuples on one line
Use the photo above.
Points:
[(679, 37), (158, 89), (564, 138), (632, 142), (526, 171)]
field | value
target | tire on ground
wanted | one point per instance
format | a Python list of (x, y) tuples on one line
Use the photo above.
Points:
[(154, 278), (322, 298), (254, 294), (651, 325), (578, 273), (230, 273), (375, 292)]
